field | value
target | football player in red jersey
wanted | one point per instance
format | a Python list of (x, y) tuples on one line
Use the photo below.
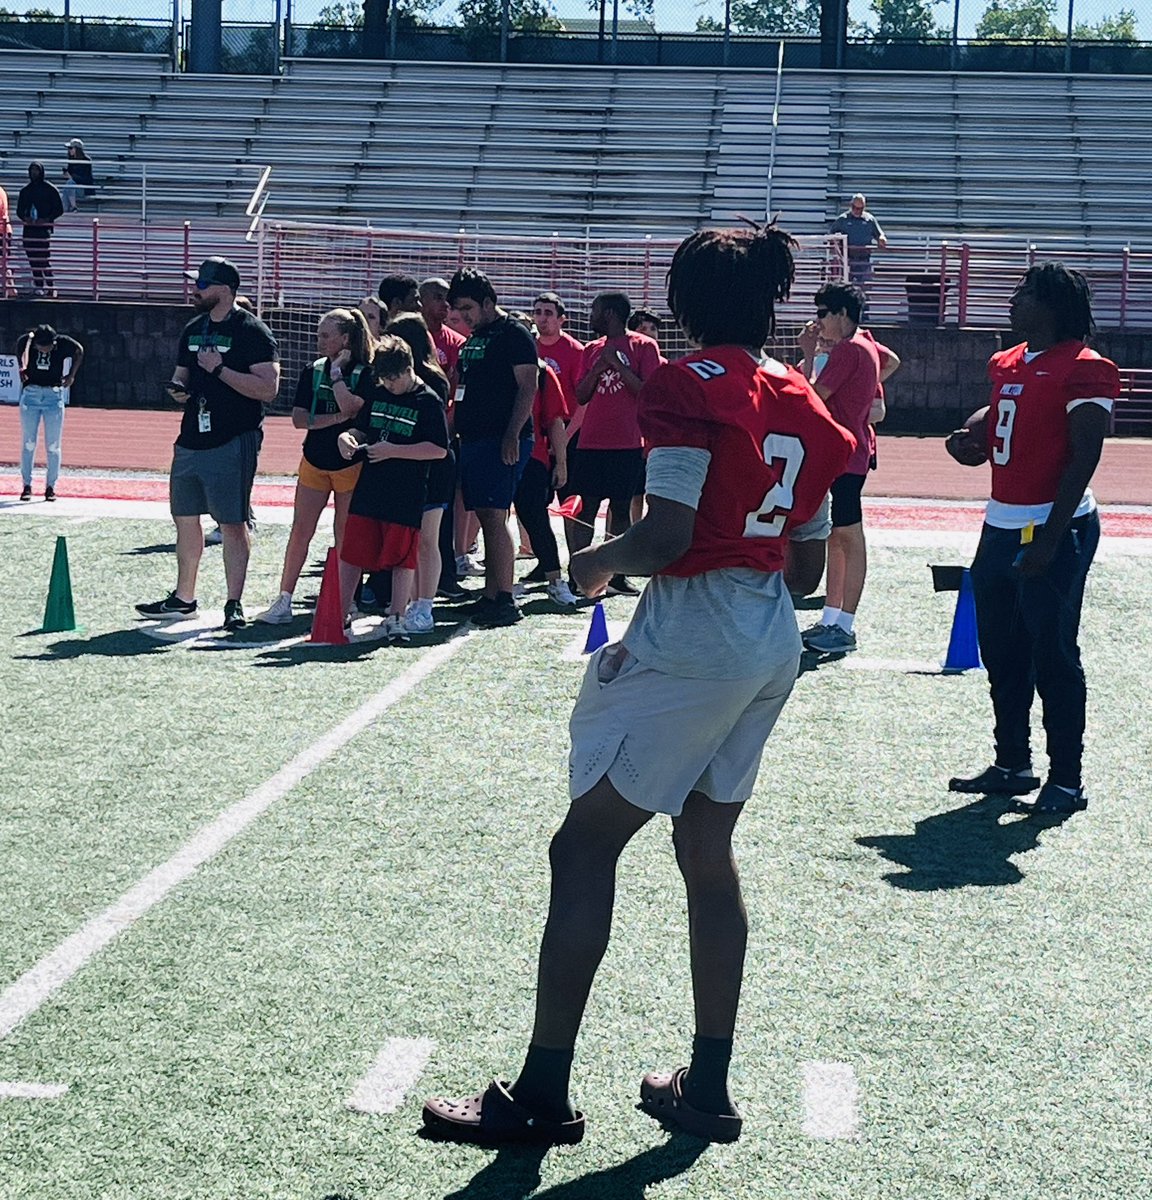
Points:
[(1046, 421), (673, 718)]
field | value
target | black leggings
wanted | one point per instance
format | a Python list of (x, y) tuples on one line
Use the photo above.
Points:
[(532, 499)]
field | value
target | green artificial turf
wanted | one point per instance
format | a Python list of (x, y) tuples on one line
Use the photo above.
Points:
[(984, 975)]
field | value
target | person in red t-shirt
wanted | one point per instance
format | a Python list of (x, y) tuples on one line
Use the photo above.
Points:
[(556, 346), (848, 384), (1044, 432), (673, 718), (610, 458)]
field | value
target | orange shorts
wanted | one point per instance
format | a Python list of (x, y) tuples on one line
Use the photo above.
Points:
[(328, 481), (375, 545)]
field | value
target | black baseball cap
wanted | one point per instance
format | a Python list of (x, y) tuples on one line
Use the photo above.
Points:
[(214, 271)]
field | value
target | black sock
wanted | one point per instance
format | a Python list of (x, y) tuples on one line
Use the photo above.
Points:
[(706, 1083), (543, 1083)]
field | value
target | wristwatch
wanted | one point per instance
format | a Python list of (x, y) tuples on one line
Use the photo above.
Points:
[(216, 370)]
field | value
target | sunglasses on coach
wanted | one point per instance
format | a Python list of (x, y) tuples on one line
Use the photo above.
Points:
[(821, 313)]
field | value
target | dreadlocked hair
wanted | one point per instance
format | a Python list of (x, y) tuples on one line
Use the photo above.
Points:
[(1066, 293), (723, 284)]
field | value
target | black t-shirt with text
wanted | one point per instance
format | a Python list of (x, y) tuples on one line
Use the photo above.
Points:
[(314, 394), (47, 366), (243, 340), (487, 374), (395, 490)]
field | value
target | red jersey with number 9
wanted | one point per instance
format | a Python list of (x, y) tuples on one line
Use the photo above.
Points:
[(775, 451), (1028, 415)]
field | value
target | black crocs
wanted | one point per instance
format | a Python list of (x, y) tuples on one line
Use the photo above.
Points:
[(1055, 801), (493, 1118), (997, 781)]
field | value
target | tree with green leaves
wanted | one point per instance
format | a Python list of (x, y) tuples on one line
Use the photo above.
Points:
[(529, 16), (905, 20), (769, 16), (1018, 20), (1120, 28)]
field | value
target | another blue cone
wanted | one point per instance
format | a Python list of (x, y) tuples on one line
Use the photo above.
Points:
[(963, 645), (597, 631)]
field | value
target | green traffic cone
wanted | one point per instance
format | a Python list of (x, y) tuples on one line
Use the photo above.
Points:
[(59, 616)]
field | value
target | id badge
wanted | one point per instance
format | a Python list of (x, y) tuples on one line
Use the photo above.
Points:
[(459, 397), (204, 421)]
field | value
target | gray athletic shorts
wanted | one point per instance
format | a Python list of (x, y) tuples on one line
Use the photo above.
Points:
[(216, 481), (658, 737)]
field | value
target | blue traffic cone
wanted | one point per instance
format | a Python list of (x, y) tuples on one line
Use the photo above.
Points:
[(597, 631), (963, 645)]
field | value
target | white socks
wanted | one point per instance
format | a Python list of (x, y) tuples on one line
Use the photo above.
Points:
[(836, 616)]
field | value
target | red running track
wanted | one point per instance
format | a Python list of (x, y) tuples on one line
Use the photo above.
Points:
[(910, 467)]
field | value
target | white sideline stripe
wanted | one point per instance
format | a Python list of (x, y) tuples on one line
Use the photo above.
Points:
[(33, 1091), (55, 969), (574, 651), (830, 1100), (396, 1069)]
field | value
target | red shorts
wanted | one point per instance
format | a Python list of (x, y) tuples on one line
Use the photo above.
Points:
[(375, 545)]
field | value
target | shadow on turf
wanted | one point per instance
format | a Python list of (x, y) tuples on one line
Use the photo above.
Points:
[(121, 643), (159, 548), (515, 1174), (306, 652), (968, 846)]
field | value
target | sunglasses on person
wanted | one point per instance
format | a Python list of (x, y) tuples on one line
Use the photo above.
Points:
[(821, 313)]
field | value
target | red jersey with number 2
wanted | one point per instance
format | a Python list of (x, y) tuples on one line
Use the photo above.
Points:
[(775, 451), (1028, 415)]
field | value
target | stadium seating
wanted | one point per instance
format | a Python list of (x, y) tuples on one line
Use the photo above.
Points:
[(607, 148)]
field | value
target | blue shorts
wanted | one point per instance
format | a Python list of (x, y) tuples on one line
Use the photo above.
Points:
[(486, 481)]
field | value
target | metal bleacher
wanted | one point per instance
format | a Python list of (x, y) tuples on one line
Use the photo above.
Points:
[(434, 145), (566, 148), (958, 154)]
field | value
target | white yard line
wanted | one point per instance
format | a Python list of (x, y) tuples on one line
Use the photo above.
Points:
[(830, 1101), (22, 998), (396, 1069), (32, 1091)]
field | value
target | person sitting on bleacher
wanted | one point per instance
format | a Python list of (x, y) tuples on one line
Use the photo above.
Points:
[(78, 172)]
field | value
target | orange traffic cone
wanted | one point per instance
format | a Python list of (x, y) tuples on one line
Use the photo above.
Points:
[(328, 621)]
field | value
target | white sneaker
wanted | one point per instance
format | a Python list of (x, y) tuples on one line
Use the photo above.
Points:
[(279, 612), (468, 564), (214, 537), (419, 619), (394, 629), (560, 593), (519, 591)]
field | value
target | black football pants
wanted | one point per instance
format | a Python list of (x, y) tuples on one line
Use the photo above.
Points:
[(1028, 630)]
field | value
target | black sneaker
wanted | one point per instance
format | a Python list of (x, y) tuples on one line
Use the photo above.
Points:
[(498, 613), (170, 606), (49, 493), (234, 615), (478, 607), (997, 781), (536, 575), (619, 586), (453, 592), (26, 493)]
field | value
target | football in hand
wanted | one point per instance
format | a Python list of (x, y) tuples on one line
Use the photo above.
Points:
[(969, 445)]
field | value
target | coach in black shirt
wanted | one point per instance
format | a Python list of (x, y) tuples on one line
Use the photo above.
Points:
[(227, 369), (494, 421)]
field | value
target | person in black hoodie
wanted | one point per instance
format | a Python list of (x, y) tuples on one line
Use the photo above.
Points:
[(38, 208)]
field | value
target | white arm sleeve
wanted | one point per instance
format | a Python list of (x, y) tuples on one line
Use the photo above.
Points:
[(677, 473)]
